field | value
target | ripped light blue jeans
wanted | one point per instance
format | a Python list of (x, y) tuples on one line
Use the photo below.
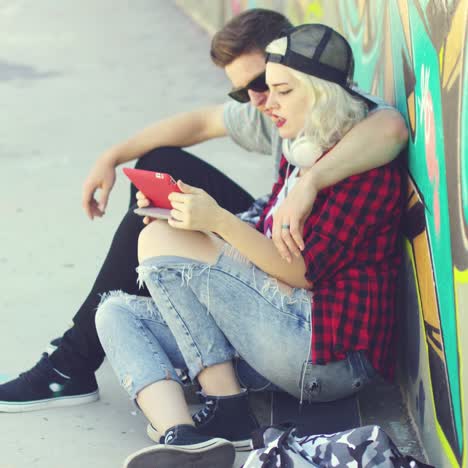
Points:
[(200, 315)]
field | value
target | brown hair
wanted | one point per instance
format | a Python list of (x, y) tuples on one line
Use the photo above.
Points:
[(250, 31)]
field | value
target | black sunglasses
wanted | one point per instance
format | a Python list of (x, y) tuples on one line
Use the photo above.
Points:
[(258, 84)]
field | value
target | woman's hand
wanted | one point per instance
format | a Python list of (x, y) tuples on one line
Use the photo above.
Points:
[(293, 212), (143, 202), (193, 209)]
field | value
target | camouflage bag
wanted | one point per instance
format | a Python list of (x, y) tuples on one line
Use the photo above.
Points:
[(363, 447)]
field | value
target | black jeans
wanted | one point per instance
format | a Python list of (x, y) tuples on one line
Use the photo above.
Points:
[(80, 350)]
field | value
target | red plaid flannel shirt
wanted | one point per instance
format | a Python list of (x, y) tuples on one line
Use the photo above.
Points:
[(352, 256)]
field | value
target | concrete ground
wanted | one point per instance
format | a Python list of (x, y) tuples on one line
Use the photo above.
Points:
[(76, 77)]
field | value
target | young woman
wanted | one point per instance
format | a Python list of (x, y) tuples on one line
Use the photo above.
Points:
[(319, 326)]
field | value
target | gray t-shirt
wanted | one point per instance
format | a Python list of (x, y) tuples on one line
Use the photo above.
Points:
[(254, 131)]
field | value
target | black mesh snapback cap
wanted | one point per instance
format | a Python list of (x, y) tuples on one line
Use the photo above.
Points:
[(318, 50)]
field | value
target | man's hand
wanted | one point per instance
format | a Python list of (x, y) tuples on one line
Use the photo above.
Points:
[(193, 209), (293, 212), (102, 176)]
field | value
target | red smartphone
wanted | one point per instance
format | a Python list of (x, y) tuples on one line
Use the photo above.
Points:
[(156, 186)]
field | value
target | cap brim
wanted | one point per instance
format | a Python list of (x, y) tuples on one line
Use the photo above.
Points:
[(370, 104)]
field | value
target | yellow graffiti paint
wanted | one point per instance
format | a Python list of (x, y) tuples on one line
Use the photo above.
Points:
[(426, 285), (425, 282), (411, 111), (454, 46), (443, 440), (460, 276), (439, 431), (409, 251), (426, 306), (361, 4), (315, 10), (405, 24), (441, 57)]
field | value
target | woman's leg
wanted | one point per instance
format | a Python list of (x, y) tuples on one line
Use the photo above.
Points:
[(159, 239), (144, 355), (192, 291), (80, 350), (266, 323), (209, 356)]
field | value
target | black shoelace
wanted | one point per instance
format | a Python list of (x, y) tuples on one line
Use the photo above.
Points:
[(35, 373), (201, 416)]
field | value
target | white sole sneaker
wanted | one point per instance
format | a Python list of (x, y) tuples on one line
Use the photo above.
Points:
[(214, 453), (239, 445), (153, 434), (243, 445), (57, 402)]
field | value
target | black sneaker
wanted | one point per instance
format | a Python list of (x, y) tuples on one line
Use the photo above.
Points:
[(184, 446), (53, 345), (229, 417), (46, 387)]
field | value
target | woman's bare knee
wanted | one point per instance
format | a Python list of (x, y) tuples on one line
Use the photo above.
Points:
[(151, 238), (158, 238)]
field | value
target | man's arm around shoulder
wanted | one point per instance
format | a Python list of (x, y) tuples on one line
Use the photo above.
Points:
[(371, 143)]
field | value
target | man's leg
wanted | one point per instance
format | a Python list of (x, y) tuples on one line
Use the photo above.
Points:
[(80, 352), (183, 165)]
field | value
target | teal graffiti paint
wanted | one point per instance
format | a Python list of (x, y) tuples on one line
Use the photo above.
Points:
[(432, 182), (464, 142)]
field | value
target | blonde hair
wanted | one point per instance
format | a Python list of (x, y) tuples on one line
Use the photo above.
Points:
[(333, 111)]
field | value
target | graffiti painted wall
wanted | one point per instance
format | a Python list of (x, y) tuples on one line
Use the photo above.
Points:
[(414, 54)]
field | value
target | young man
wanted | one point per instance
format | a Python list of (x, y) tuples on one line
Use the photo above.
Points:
[(66, 377)]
